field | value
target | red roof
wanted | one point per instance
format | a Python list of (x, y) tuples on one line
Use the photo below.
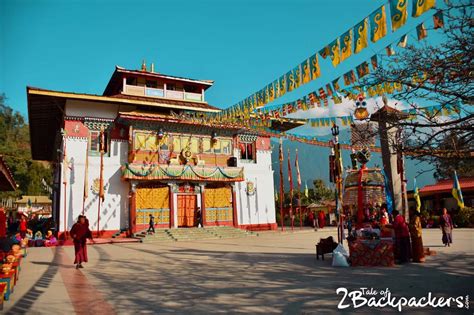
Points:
[(446, 185)]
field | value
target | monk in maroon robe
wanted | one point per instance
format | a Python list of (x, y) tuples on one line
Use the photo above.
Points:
[(80, 233)]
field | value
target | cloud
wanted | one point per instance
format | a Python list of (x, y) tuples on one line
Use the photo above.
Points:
[(346, 108)]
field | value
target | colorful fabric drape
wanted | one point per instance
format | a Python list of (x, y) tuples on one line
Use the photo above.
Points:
[(399, 13), (378, 23), (334, 52), (361, 35), (456, 191), (388, 193), (101, 178), (86, 177), (416, 195), (421, 6), (297, 165), (290, 177), (346, 45)]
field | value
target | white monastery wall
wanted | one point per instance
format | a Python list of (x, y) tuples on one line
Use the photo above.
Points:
[(258, 208)]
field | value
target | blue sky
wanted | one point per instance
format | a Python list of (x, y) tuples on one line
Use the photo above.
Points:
[(242, 45)]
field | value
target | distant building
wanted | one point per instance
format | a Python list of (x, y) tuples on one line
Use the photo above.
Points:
[(158, 159), (34, 205), (438, 196)]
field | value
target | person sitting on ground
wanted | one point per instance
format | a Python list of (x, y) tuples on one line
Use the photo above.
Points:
[(50, 240)]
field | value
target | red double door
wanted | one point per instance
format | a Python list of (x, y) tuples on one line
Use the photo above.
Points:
[(187, 205)]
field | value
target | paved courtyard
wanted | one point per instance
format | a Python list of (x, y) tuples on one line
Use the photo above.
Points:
[(275, 273)]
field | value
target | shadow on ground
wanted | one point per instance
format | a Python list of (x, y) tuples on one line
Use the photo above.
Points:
[(185, 280)]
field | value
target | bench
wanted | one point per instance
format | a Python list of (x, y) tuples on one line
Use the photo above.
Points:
[(325, 246)]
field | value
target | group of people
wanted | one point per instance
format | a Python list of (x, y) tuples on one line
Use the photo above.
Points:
[(408, 236), (319, 221)]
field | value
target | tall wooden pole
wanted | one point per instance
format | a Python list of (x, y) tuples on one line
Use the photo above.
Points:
[(282, 194)]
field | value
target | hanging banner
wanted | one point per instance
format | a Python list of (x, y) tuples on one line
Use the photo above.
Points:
[(421, 31), (335, 84), (297, 77), (378, 24), (314, 67), (403, 41), (373, 61), (334, 53), (362, 70), (399, 13), (282, 82), (361, 35), (346, 45), (305, 73), (338, 51), (421, 6), (438, 20), (390, 51), (349, 78), (290, 81)]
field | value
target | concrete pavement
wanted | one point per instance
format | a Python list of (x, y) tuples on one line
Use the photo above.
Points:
[(274, 273)]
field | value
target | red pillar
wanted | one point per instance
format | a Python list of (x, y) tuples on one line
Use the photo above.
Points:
[(171, 201), (234, 206), (203, 205)]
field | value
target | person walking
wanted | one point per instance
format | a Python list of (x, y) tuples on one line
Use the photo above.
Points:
[(199, 217), (151, 224), (446, 224), (80, 232)]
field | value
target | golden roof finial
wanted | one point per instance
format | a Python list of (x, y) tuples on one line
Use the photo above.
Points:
[(143, 65)]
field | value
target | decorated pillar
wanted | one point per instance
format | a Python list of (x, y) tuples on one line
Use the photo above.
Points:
[(203, 203), (133, 208), (172, 189), (234, 205)]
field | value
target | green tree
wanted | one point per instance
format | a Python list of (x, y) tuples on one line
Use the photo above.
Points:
[(321, 191), (15, 147)]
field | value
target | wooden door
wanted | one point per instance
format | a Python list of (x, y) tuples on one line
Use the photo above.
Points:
[(186, 210)]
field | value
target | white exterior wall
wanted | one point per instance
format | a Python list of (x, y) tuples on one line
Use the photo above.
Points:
[(114, 211), (258, 208)]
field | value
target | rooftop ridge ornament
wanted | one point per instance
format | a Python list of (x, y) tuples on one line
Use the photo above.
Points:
[(143, 65)]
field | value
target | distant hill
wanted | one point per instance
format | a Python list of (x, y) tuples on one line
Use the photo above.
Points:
[(314, 164)]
